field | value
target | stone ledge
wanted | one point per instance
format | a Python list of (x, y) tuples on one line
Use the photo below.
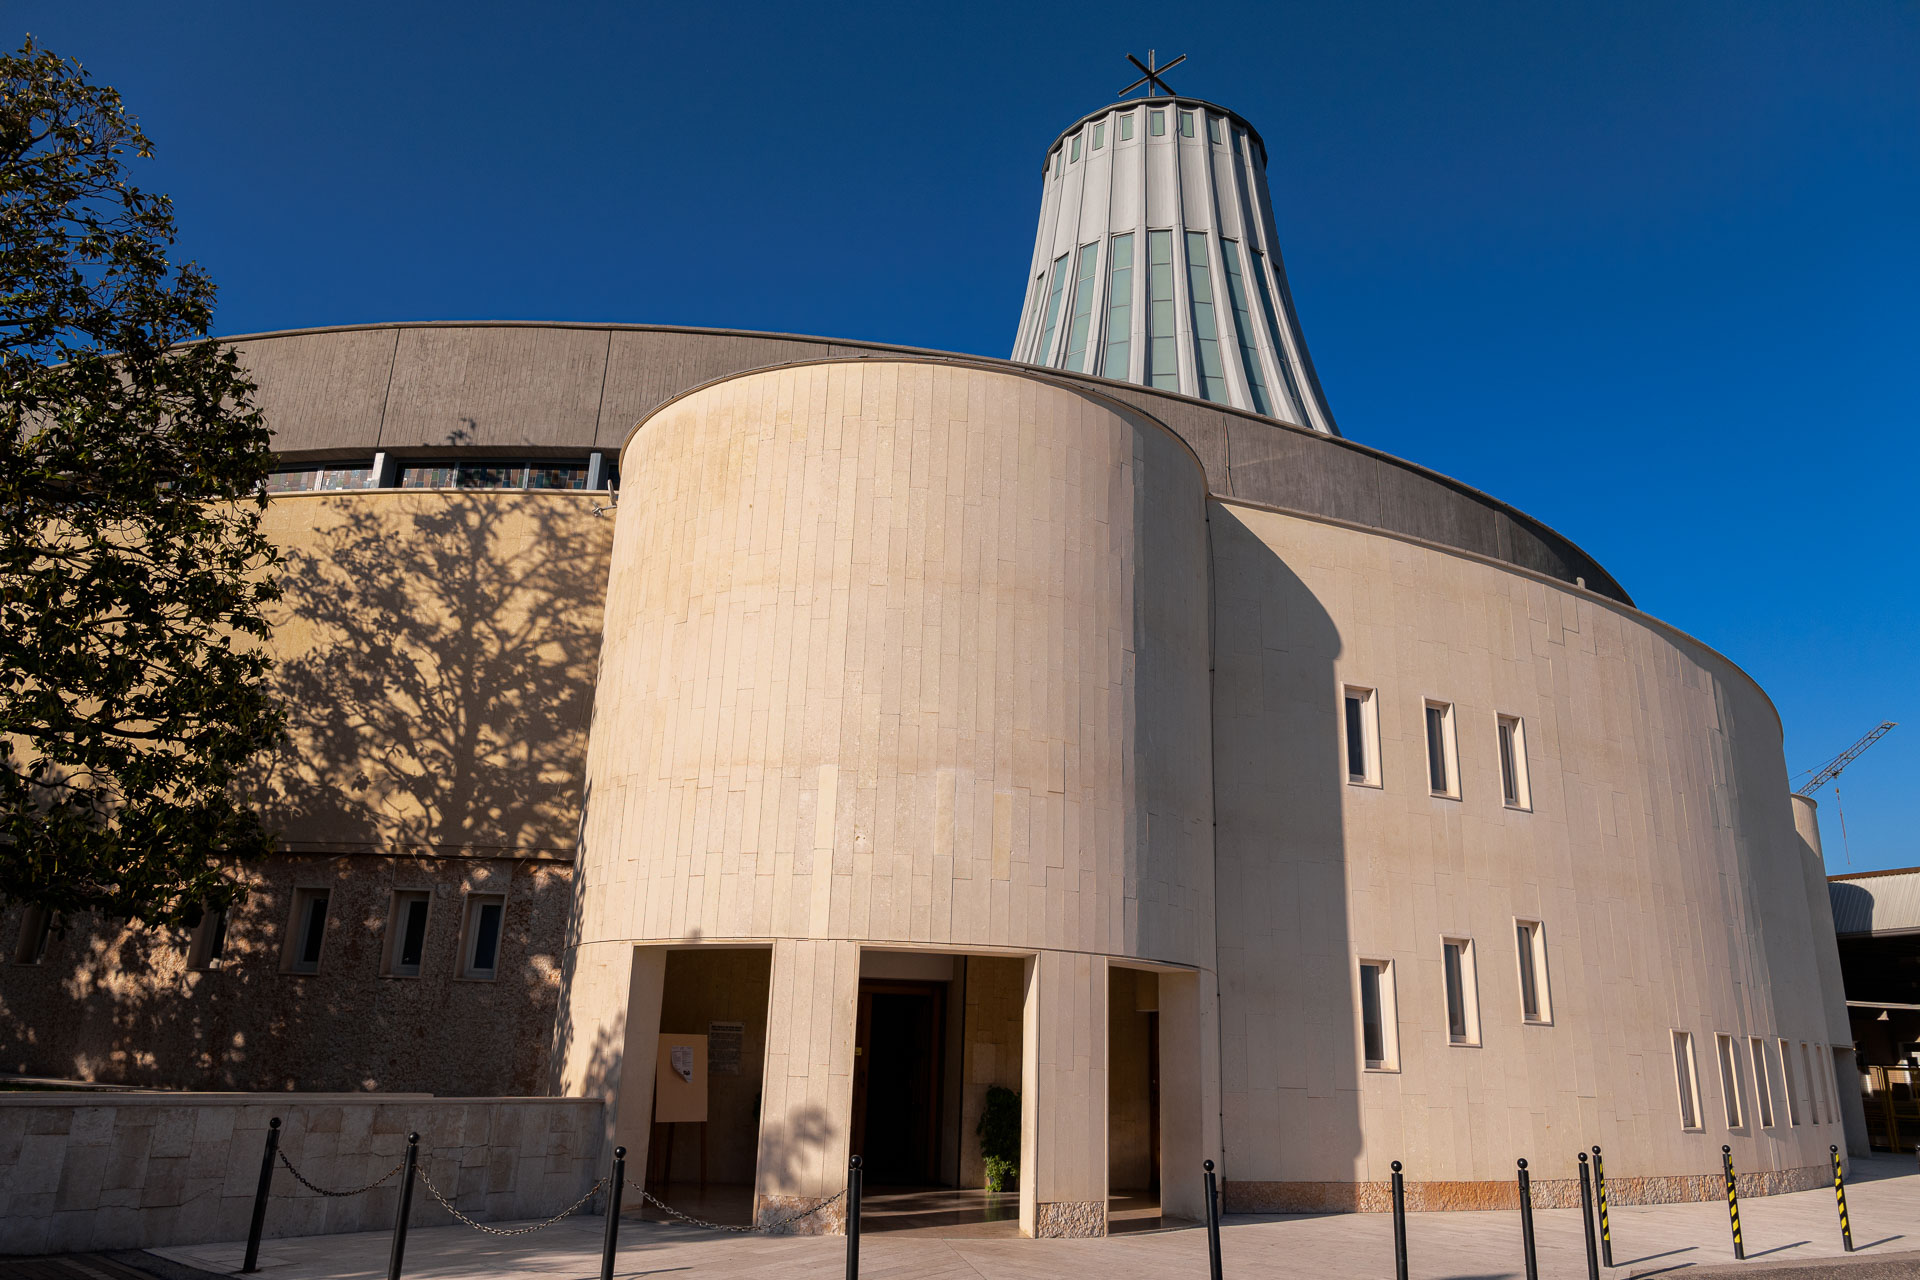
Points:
[(1548, 1193)]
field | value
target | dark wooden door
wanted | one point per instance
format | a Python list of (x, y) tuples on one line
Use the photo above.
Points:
[(899, 1039)]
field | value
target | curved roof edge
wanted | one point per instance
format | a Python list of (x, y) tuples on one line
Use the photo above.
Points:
[(1177, 100), (1269, 449)]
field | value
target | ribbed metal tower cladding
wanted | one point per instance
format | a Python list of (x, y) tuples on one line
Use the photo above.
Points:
[(1157, 262)]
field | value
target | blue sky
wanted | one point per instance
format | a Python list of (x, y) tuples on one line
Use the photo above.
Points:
[(1648, 271)]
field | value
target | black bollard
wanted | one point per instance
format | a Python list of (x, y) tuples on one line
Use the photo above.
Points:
[(260, 1194), (1213, 1223), (1840, 1194), (406, 1207), (1600, 1194), (854, 1178), (613, 1213), (1733, 1202), (1399, 1224), (1526, 1224), (1586, 1218)]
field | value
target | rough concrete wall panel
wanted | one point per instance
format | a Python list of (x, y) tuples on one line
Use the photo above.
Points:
[(495, 387)]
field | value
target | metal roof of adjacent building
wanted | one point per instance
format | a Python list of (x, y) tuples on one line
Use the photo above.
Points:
[(1876, 901)]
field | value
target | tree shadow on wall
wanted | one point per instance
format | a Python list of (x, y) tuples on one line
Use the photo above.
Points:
[(439, 653)]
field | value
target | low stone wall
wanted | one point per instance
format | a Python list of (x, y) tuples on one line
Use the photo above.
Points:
[(1548, 1193), (138, 1170)]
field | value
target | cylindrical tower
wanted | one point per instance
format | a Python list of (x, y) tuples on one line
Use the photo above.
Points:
[(1157, 262)]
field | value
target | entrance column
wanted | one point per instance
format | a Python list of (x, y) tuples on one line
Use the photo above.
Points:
[(1063, 1107), (1189, 1091), (806, 1108)]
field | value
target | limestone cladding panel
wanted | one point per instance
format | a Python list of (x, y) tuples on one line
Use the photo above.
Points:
[(910, 653), (1660, 856), (117, 1003), (437, 654)]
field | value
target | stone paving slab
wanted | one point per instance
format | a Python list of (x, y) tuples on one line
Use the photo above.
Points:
[(1648, 1240)]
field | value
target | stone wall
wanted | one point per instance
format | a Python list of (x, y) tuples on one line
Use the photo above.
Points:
[(132, 1171)]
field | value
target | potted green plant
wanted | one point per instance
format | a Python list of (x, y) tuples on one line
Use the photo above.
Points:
[(999, 1134)]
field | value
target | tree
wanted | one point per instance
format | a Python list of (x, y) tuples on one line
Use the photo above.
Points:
[(133, 573)]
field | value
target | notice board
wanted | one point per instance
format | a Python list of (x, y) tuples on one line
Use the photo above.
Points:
[(680, 1080)]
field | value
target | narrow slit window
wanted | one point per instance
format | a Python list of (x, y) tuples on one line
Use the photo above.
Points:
[(1463, 999), (1186, 124), (31, 947), (1273, 324), (1076, 148), (1514, 791), (1157, 123), (1789, 1083), (1100, 135), (1729, 1079), (1530, 947), (485, 913), (309, 930), (1379, 1032), (1059, 163), (1686, 1080), (1213, 128), (1045, 353), (1243, 327), (1114, 364), (1363, 737), (1126, 127), (1206, 334), (408, 931), (1762, 1082), (1163, 367), (1085, 291), (207, 945), (1813, 1088), (1443, 752)]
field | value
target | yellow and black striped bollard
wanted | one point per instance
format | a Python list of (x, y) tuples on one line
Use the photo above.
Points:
[(1733, 1203), (1600, 1193), (1840, 1194)]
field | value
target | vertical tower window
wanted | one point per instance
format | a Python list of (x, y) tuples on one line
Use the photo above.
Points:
[(1157, 123), (1045, 354), (1443, 751), (1363, 737), (1213, 128), (1243, 326), (1729, 1079), (309, 930), (407, 931), (1059, 162), (1787, 1079), (1119, 305), (1213, 377), (31, 948), (1463, 992), (207, 945), (1126, 127), (1186, 124), (1379, 1020), (1762, 1082), (1530, 946), (1163, 364), (1685, 1079), (1084, 294), (1273, 320), (1076, 148), (1514, 791), (1100, 135), (482, 946)]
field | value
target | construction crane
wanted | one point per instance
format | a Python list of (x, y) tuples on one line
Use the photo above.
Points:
[(1832, 769)]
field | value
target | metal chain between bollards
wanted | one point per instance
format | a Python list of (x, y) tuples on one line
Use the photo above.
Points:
[(338, 1195), (447, 1204), (692, 1221)]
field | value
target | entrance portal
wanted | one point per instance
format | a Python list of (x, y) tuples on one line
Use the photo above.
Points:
[(899, 1056), (1133, 1099)]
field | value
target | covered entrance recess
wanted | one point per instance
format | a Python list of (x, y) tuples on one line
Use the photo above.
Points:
[(932, 1033)]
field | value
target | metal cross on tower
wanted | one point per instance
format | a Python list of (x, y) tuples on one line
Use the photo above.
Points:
[(1155, 85)]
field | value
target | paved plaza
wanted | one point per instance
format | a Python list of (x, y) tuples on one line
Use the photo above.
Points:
[(1782, 1234)]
